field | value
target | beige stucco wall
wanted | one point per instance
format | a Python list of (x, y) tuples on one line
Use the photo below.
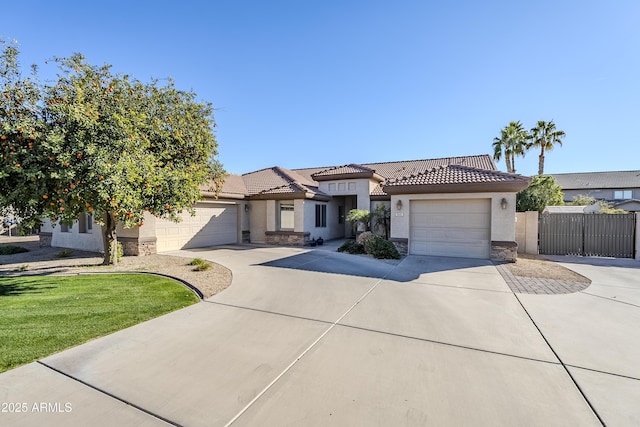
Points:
[(258, 220), (502, 220), (271, 215), (527, 232), (299, 215), (358, 187), (333, 229), (90, 241)]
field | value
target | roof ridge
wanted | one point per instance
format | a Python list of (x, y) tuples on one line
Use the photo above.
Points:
[(590, 173), (283, 173), (259, 170), (486, 170), (427, 160), (355, 165)]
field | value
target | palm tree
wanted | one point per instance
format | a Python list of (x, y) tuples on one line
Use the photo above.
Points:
[(545, 136), (513, 141)]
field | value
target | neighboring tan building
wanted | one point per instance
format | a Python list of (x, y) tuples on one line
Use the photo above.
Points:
[(620, 188)]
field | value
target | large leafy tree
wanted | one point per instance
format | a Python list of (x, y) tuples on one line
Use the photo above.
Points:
[(545, 136), (542, 191), (115, 147), (22, 130), (512, 142)]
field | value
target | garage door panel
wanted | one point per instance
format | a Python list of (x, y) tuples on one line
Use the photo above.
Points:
[(211, 225), (458, 228)]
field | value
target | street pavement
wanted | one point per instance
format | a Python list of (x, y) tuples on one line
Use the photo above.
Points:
[(315, 338)]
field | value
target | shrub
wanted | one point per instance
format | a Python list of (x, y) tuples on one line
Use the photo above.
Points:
[(351, 247), (364, 237), (200, 264), (65, 253), (119, 254), (10, 250), (380, 248)]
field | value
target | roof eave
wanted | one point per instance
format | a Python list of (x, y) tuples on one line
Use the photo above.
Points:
[(222, 195), (476, 187)]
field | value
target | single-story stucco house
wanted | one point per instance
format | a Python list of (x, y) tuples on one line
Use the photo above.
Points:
[(455, 206)]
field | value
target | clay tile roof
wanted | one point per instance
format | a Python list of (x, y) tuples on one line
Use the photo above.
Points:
[(345, 169), (378, 191), (277, 180), (233, 187), (233, 184), (595, 180), (453, 174)]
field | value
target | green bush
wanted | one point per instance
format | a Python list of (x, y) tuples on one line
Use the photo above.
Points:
[(200, 264), (364, 237), (64, 253), (10, 250), (351, 247), (380, 248)]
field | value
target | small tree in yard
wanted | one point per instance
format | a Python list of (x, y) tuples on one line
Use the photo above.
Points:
[(360, 216), (543, 191), (116, 147), (382, 216)]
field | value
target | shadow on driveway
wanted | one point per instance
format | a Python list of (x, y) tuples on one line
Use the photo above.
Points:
[(596, 261), (362, 266)]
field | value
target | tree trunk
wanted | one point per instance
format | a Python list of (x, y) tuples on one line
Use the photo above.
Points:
[(109, 239), (541, 161), (507, 160)]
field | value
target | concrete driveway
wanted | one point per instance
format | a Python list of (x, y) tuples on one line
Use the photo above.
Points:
[(316, 338)]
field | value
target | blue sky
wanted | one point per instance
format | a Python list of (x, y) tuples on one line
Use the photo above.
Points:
[(315, 83)]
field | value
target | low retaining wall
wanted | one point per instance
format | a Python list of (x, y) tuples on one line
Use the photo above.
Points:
[(45, 238), (287, 238), (134, 246), (504, 251), (401, 244)]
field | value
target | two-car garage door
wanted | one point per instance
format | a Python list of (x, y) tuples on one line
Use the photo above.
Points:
[(455, 228), (213, 224)]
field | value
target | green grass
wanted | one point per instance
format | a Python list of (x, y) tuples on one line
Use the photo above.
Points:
[(42, 315)]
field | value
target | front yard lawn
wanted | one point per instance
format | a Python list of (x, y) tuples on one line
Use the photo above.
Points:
[(41, 315)]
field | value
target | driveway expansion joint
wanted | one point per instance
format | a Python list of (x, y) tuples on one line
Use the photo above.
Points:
[(111, 395), (308, 349), (275, 313), (566, 369), (611, 299), (465, 347)]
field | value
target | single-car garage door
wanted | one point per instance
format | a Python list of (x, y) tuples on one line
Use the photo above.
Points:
[(455, 228), (213, 224)]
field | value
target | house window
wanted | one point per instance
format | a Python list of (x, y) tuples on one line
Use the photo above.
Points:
[(622, 194), (85, 223), (321, 215), (286, 216), (65, 228)]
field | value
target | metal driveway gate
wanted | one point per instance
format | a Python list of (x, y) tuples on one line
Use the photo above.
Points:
[(607, 235)]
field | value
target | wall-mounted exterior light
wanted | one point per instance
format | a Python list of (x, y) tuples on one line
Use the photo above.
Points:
[(503, 203), (399, 205)]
